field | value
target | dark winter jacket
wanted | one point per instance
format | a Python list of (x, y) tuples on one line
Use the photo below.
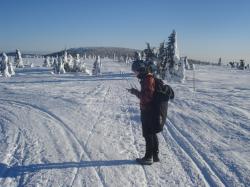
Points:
[(152, 121)]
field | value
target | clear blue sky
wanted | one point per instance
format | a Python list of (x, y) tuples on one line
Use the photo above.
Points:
[(206, 29)]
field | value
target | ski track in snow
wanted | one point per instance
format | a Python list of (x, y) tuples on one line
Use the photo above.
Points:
[(219, 112), (17, 152), (89, 136), (66, 127), (209, 176)]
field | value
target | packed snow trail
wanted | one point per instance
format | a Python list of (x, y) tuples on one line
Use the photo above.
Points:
[(80, 130)]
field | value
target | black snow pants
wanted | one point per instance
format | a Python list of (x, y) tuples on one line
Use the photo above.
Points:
[(152, 145)]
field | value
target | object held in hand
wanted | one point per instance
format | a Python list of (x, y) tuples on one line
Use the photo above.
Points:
[(132, 90)]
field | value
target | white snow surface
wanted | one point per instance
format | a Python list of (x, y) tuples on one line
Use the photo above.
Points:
[(78, 130)]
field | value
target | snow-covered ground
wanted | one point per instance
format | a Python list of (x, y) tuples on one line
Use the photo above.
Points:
[(78, 130)]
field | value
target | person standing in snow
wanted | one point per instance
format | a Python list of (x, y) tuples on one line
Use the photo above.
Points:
[(146, 95)]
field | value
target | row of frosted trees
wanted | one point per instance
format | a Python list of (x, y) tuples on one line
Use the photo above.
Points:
[(239, 65), (67, 63), (62, 64), (6, 65)]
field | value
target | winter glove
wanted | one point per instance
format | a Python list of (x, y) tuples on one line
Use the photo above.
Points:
[(133, 91)]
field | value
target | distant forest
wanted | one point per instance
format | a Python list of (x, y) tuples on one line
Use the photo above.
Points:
[(192, 61), (103, 52)]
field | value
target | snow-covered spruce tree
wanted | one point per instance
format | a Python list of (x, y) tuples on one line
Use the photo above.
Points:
[(55, 65), (137, 56), (65, 56), (180, 72), (128, 60), (149, 53), (187, 66), (76, 63), (65, 61), (161, 56), (192, 66), (241, 65), (51, 61), (82, 68), (68, 62), (219, 62), (173, 63), (172, 52), (18, 59), (97, 66), (61, 69), (4, 66), (46, 62), (79, 66), (11, 68)]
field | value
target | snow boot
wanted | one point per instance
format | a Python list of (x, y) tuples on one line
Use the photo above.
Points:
[(148, 158), (145, 160), (155, 149), (156, 157)]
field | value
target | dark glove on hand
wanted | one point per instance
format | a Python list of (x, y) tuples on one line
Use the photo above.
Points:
[(133, 91)]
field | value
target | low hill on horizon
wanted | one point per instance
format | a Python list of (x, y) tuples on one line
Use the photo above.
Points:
[(102, 51)]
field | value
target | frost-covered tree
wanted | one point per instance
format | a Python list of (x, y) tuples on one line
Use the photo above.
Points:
[(180, 72), (82, 68), (128, 59), (97, 66), (192, 66), (186, 63), (31, 65), (76, 63), (172, 63), (66, 61), (241, 65), (219, 62), (137, 56), (232, 64), (61, 69), (55, 65), (18, 59), (4, 66), (149, 53), (161, 62), (11, 68), (70, 62), (46, 62), (172, 52)]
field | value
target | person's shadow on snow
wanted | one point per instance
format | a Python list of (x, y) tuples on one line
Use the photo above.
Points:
[(14, 171)]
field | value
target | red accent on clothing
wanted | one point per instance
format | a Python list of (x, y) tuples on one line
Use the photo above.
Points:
[(147, 91)]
